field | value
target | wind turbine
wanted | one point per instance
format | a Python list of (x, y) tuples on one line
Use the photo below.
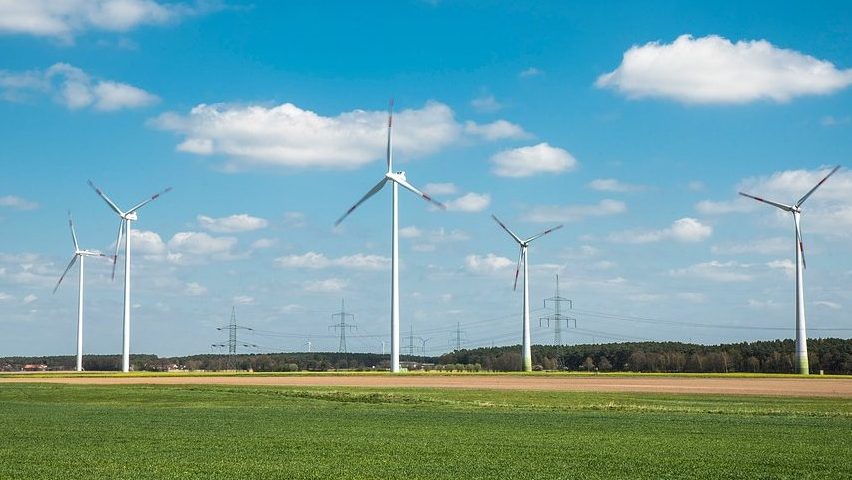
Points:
[(526, 351), (81, 254), (124, 229), (796, 210), (396, 179)]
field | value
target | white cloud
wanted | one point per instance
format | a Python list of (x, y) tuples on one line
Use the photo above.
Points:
[(486, 103), (410, 232), (499, 130), (442, 235), (30, 298), (738, 205), (696, 186), (487, 264), (66, 18), (194, 289), (763, 304), (19, 203), (471, 202), (786, 265), (330, 285), (5, 297), (146, 242), (715, 271), (613, 185), (572, 213), (232, 224), (314, 260), (295, 219), (534, 160), (74, 88), (200, 243), (435, 189), (243, 300), (827, 304), (288, 136), (262, 243), (712, 69), (531, 72), (687, 230)]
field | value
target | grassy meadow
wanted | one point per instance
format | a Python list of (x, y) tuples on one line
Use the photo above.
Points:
[(209, 432)]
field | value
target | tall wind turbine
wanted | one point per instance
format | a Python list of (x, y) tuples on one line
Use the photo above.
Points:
[(526, 351), (796, 211), (396, 179), (124, 229), (81, 254)]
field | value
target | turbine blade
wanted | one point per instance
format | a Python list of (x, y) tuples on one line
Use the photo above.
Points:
[(805, 197), (544, 233), (403, 183), (73, 233), (106, 199), (518, 268), (390, 141), (117, 243), (369, 194), (517, 239), (786, 208), (799, 242), (146, 202), (70, 264)]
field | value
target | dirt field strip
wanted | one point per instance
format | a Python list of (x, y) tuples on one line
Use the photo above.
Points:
[(796, 387)]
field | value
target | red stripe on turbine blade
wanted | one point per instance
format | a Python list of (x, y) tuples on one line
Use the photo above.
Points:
[(427, 197)]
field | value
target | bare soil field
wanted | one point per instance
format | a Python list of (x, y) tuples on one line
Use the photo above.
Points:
[(783, 386)]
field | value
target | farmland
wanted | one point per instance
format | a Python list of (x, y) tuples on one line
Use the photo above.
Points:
[(264, 431)]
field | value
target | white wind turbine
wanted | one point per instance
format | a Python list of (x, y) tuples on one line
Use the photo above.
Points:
[(396, 179), (124, 229), (81, 254), (801, 333), (526, 351)]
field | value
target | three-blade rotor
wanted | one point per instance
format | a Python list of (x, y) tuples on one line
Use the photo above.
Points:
[(125, 217), (77, 252), (522, 244), (390, 176), (796, 210)]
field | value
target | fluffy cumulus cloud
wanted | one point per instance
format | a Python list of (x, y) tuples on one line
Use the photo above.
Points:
[(613, 185), (471, 202), (18, 203), (573, 213), (66, 18), (200, 243), (194, 289), (73, 88), (486, 103), (184, 248), (440, 188), (232, 224), (489, 263), (686, 230), (713, 69), (534, 160), (288, 136), (313, 260)]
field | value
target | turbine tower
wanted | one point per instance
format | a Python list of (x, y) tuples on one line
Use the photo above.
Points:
[(396, 179), (81, 254), (124, 229), (526, 351), (796, 211)]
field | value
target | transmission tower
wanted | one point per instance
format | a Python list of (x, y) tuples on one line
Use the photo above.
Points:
[(342, 326), (411, 339), (458, 339), (232, 339), (558, 318)]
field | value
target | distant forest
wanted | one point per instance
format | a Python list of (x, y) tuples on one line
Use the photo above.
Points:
[(831, 355)]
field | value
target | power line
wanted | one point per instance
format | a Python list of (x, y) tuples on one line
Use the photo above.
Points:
[(557, 318), (232, 339)]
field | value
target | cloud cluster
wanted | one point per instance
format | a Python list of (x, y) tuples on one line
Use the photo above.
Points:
[(573, 213), (314, 260), (471, 203), (66, 18), (232, 224), (73, 88), (715, 271), (288, 136), (184, 248), (489, 263), (533, 160), (614, 186), (713, 69), (686, 230), (19, 203)]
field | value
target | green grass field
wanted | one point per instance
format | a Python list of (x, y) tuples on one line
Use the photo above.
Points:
[(181, 432)]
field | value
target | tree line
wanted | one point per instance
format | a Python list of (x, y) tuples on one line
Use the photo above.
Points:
[(831, 355)]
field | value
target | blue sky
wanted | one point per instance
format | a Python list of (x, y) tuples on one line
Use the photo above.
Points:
[(635, 130)]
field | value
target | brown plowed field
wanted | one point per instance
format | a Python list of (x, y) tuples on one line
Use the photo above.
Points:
[(782, 386)]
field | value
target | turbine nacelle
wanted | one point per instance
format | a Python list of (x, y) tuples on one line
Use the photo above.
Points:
[(130, 216)]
